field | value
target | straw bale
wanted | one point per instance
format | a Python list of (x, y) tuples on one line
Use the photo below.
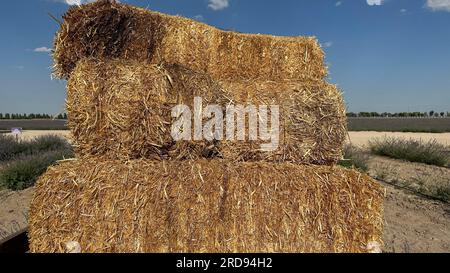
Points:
[(313, 123), (123, 109), (106, 29), (204, 206)]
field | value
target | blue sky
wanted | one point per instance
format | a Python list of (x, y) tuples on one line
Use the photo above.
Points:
[(391, 55)]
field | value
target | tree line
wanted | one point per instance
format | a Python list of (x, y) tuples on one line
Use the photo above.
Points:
[(31, 116), (350, 114), (431, 114)]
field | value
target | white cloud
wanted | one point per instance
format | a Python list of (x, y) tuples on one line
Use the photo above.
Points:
[(327, 44), (403, 10), (218, 4), (439, 5), (199, 18), (375, 2), (338, 3), (76, 2), (43, 49)]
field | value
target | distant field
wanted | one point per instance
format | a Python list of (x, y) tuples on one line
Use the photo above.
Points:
[(30, 134), (363, 138), (356, 138), (34, 124), (432, 125)]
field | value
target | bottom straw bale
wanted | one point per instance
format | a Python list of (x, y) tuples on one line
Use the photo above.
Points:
[(204, 206)]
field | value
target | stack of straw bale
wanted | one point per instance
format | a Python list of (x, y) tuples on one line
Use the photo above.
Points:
[(132, 188)]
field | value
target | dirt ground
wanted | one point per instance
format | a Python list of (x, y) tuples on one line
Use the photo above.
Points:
[(14, 211), (428, 180), (415, 224)]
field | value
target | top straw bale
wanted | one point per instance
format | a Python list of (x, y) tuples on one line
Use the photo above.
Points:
[(106, 29)]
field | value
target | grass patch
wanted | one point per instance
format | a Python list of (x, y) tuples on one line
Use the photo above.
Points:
[(431, 153), (443, 193), (355, 157), (23, 173), (8, 147), (22, 162), (11, 149)]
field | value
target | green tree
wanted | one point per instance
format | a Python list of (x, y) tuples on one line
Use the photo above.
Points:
[(364, 114)]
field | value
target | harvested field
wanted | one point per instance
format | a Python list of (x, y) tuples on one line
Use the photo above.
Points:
[(356, 138), (204, 206), (419, 125), (425, 125), (413, 125), (106, 29), (30, 134), (33, 124), (363, 138)]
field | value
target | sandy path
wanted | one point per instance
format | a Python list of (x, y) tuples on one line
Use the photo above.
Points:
[(26, 135), (356, 138), (362, 138)]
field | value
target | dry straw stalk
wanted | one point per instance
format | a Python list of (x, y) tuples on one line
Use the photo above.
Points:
[(204, 206), (123, 109), (106, 29)]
